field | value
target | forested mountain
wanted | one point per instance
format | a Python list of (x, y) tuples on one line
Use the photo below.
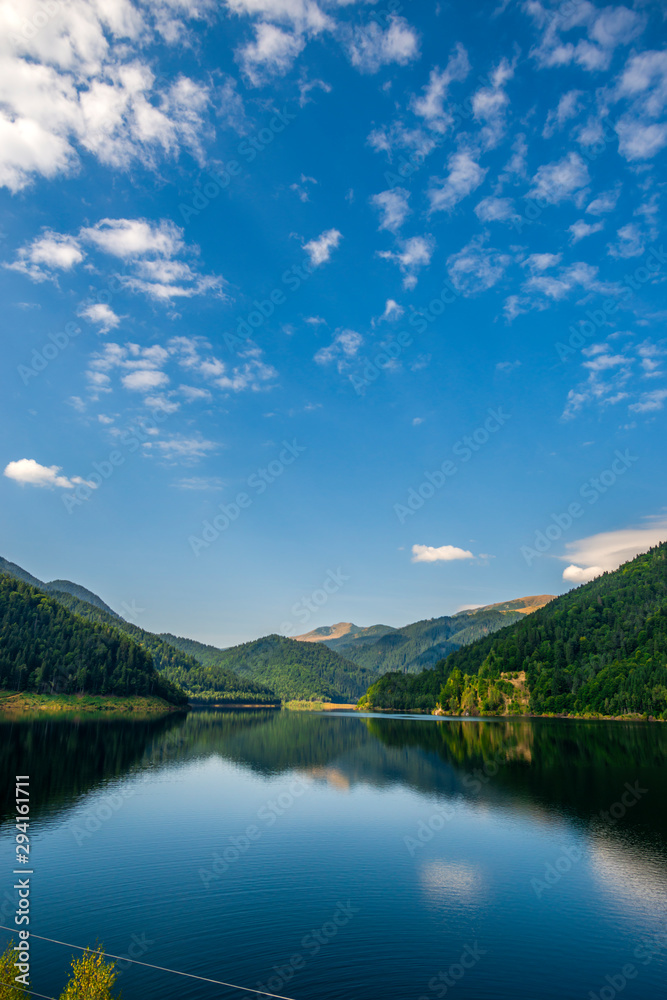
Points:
[(208, 655), (200, 682), (82, 593), (297, 670), (63, 586), (419, 646), (45, 648), (599, 649)]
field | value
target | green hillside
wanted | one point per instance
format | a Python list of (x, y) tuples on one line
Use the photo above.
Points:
[(419, 646), (45, 648), (201, 683), (297, 670), (82, 593), (208, 655), (599, 649)]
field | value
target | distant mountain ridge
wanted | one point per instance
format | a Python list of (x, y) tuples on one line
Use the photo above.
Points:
[(421, 644), (344, 633)]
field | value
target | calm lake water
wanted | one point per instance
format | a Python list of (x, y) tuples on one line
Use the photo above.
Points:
[(347, 856)]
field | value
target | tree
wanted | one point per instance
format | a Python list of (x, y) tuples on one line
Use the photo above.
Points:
[(7, 974), (92, 978)]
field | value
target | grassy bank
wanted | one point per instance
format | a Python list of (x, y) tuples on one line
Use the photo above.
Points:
[(314, 706), (27, 702)]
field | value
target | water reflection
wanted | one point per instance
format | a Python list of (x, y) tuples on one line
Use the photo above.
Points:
[(549, 768)]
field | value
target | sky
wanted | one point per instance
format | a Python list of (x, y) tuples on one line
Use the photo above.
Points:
[(324, 310)]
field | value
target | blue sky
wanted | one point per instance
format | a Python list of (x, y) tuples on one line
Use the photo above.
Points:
[(323, 311)]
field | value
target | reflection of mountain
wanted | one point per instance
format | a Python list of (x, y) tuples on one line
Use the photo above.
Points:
[(547, 767)]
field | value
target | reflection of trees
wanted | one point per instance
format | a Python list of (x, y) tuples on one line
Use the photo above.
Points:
[(66, 758), (572, 768)]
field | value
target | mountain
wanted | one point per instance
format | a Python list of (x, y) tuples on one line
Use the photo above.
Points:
[(420, 645), (200, 651), (294, 670), (81, 593), (63, 586), (599, 649), (345, 634), (200, 682), (19, 573), (45, 648)]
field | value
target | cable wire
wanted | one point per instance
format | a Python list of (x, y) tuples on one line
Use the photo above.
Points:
[(160, 968)]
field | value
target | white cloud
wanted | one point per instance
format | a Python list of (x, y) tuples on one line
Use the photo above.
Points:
[(630, 242), (538, 262), (144, 380), (319, 250), (300, 187), (73, 78), (644, 80), (431, 104), (48, 253), (649, 402), (414, 254), (476, 268), (465, 175), (162, 403), (640, 141), (101, 315), (614, 377), (643, 84), (186, 450), (398, 136), (392, 310), (28, 472), (342, 349), (569, 106), (300, 14), (193, 393), (489, 105), (561, 180), (606, 30), (253, 375), (581, 229), (133, 238), (272, 53), (150, 249), (605, 202), (444, 553), (370, 48), (393, 207), (590, 557), (495, 209), (576, 574)]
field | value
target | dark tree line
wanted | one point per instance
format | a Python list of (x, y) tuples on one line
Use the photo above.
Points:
[(44, 648)]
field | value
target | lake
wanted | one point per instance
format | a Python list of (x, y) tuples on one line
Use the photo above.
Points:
[(340, 855)]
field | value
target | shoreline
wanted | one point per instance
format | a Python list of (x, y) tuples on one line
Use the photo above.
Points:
[(588, 717), (20, 703)]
